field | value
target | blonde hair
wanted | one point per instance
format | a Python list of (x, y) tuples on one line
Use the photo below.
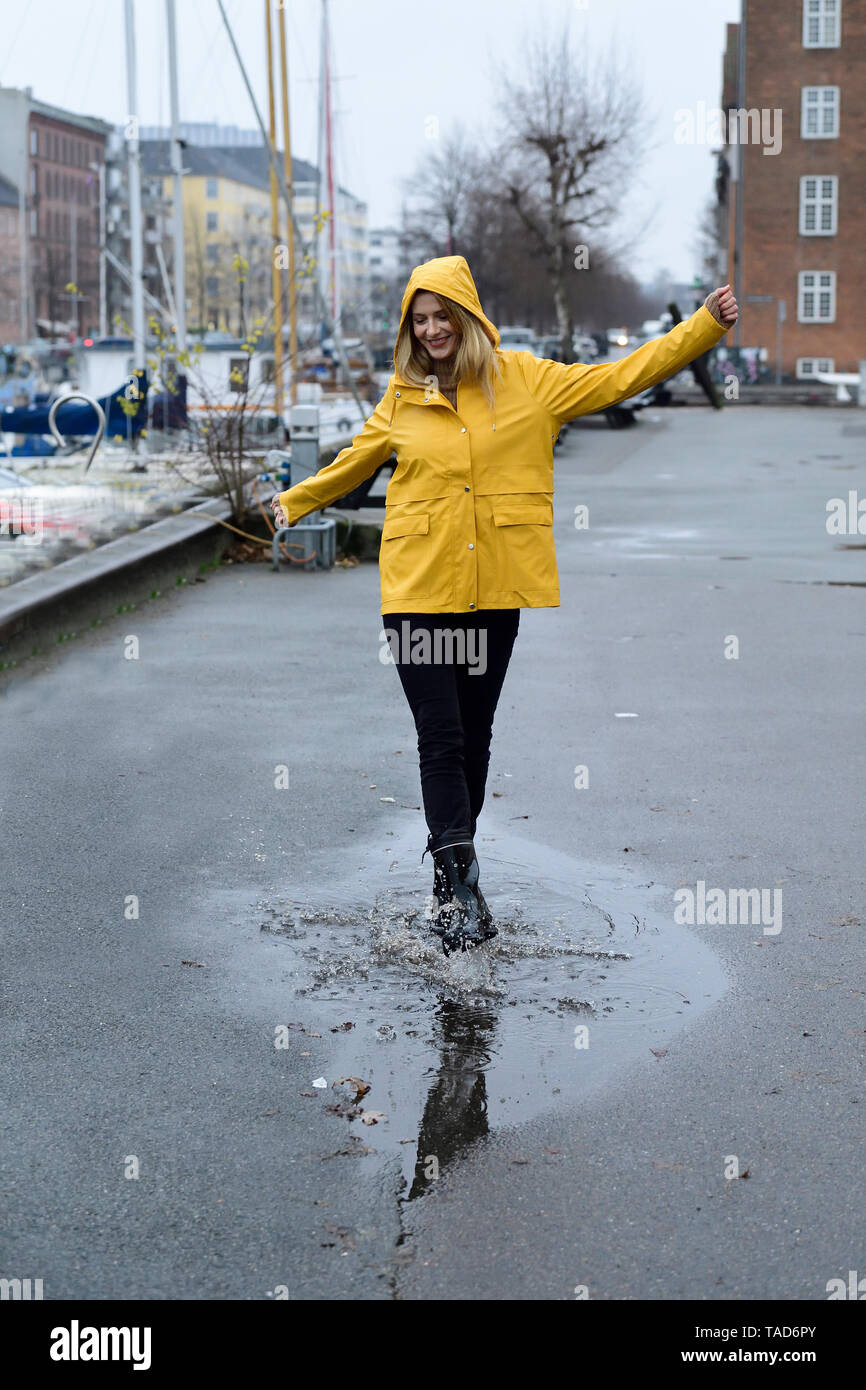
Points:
[(474, 360)]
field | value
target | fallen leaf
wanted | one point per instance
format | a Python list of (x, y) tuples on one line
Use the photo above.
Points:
[(361, 1087), (342, 1027), (197, 963), (372, 1117), (312, 1094), (659, 1051)]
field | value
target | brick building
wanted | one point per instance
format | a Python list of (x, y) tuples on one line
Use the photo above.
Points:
[(52, 158), (10, 250), (798, 234)]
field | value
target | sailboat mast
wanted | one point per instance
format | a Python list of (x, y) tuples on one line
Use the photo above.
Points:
[(135, 225), (325, 202), (276, 272), (177, 183), (329, 149), (289, 173)]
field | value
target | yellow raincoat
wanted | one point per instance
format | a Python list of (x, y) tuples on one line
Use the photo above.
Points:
[(469, 508)]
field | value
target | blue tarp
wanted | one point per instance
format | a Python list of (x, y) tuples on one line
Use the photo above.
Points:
[(77, 419)]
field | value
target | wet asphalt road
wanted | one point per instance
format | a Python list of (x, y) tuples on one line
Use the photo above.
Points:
[(149, 1041)]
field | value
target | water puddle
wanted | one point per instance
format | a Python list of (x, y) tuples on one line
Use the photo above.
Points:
[(588, 973)]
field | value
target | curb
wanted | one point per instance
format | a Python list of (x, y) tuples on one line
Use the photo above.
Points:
[(117, 573)]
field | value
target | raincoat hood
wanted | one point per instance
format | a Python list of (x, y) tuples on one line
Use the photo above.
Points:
[(451, 276)]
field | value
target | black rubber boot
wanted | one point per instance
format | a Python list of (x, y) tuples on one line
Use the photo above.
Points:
[(464, 918)]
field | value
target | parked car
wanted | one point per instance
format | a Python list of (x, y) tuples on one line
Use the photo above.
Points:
[(654, 328), (519, 339), (585, 347)]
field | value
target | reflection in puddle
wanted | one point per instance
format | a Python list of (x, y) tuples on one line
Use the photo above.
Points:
[(589, 972)]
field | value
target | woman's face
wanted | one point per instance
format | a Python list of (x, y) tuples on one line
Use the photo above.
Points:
[(432, 327)]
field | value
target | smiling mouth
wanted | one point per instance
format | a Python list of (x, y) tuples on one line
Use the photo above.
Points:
[(437, 342)]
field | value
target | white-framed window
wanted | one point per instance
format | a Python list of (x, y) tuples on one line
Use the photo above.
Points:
[(212, 188), (816, 296), (809, 367), (212, 224), (819, 205), (822, 23), (819, 113)]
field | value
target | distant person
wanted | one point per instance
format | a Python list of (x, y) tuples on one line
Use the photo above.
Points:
[(468, 534)]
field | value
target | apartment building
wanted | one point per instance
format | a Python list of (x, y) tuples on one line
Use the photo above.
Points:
[(226, 192), (10, 252), (53, 158), (795, 242)]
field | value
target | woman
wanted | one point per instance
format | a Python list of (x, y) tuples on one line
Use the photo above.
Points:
[(468, 534)]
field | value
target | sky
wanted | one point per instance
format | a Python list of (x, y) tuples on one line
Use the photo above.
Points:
[(397, 62)]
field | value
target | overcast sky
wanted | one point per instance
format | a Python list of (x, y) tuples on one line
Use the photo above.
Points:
[(398, 62)]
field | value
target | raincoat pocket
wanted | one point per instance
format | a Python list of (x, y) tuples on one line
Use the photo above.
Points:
[(524, 544), (404, 556), (521, 514), (397, 526)]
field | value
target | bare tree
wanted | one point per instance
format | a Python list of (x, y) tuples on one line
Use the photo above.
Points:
[(438, 195), (573, 125)]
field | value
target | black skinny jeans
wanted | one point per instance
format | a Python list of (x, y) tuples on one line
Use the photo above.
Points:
[(452, 666)]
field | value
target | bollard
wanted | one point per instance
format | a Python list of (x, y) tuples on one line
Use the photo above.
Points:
[(861, 390), (317, 533)]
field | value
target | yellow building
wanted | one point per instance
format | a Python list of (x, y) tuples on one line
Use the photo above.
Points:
[(226, 195)]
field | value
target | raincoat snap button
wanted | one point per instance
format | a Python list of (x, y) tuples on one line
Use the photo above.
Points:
[(471, 546), (463, 431), (398, 393), (472, 605), (466, 489)]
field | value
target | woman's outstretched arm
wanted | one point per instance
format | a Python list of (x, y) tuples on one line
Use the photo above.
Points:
[(569, 390), (353, 465)]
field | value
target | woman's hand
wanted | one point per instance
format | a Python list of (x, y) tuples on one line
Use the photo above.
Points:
[(723, 306), (280, 518)]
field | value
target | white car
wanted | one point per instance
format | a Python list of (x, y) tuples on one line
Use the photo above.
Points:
[(518, 340)]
